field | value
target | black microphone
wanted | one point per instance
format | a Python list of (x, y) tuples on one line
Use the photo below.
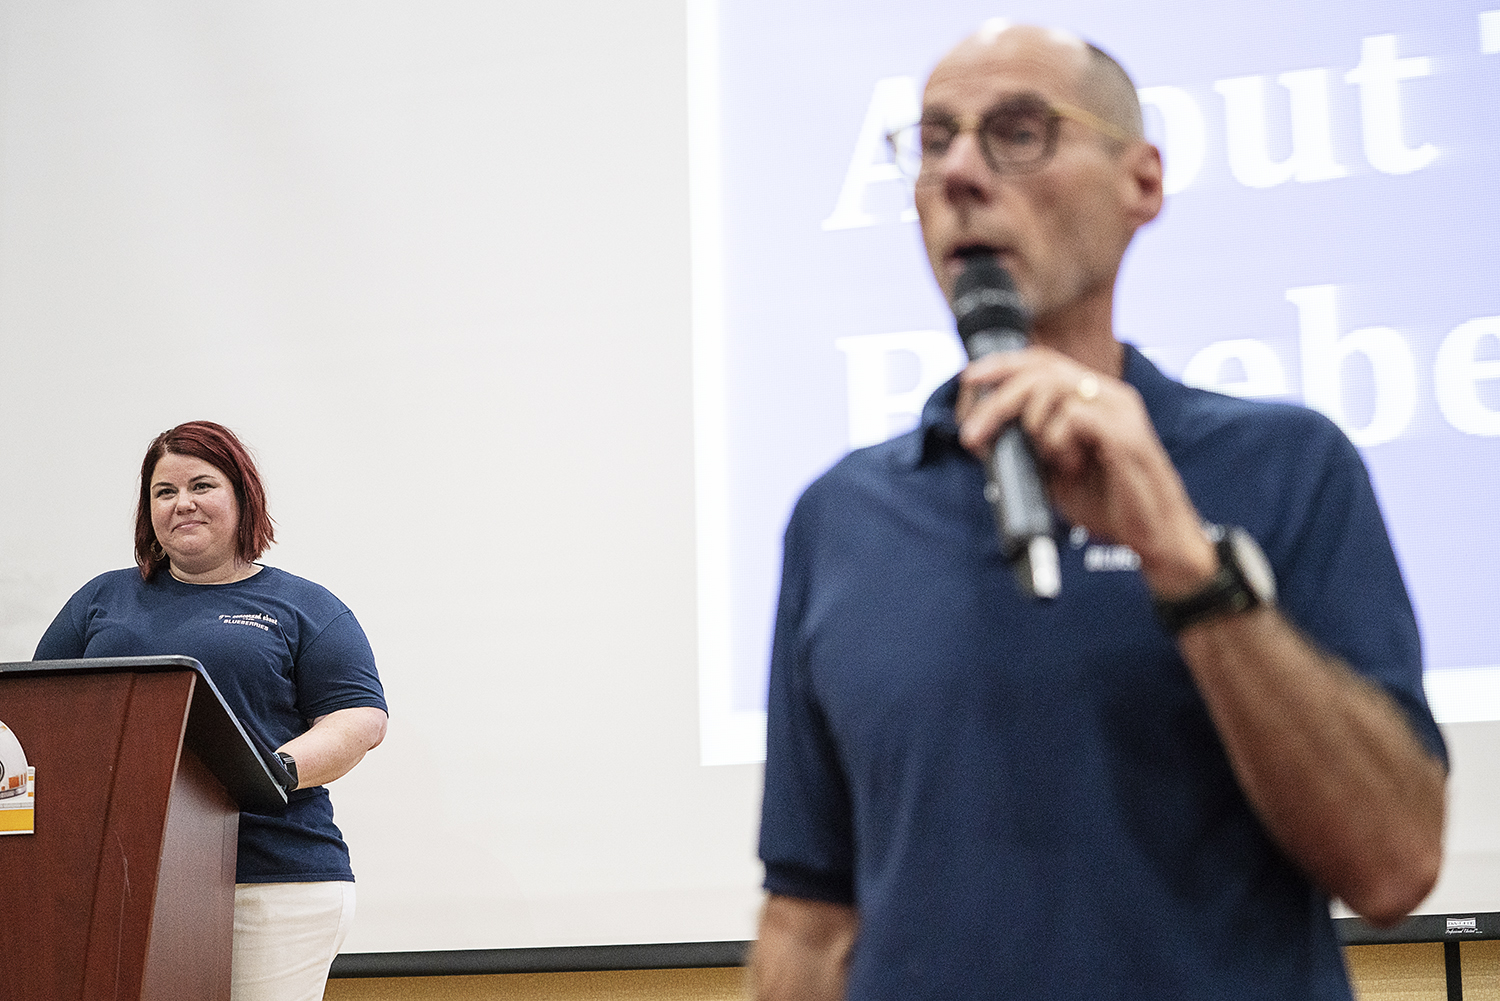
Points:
[(992, 318)]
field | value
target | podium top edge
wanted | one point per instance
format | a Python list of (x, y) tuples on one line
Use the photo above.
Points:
[(213, 730), (98, 665)]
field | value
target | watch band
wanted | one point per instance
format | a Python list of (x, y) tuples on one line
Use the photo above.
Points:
[(1242, 582), (290, 764)]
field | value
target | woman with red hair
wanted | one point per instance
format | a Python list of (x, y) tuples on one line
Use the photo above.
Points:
[(290, 660)]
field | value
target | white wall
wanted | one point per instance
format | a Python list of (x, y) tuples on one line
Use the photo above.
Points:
[(431, 261)]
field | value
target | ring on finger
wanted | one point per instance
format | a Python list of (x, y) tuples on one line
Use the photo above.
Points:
[(1088, 386)]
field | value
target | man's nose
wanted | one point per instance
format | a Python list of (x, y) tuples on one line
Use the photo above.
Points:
[(963, 168)]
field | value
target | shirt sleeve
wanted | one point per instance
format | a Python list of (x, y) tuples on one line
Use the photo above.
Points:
[(64, 638), (336, 670), (1338, 581), (806, 839)]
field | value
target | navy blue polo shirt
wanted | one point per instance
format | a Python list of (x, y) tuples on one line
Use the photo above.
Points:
[(281, 650), (1029, 799)]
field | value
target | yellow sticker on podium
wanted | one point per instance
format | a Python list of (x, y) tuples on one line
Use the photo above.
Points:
[(17, 787)]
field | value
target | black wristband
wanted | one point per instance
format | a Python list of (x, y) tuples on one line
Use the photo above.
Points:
[(1243, 581), (289, 764)]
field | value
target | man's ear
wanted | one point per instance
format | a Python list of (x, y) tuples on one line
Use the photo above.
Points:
[(1142, 183)]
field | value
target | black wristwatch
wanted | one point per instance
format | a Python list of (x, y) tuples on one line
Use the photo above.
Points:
[(1243, 581), (290, 764)]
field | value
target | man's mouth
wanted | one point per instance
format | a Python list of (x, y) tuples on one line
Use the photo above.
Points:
[(962, 253), (968, 250)]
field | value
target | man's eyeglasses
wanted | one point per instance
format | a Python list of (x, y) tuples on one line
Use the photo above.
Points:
[(1015, 136)]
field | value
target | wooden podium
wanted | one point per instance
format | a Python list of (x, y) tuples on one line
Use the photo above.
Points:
[(126, 890)]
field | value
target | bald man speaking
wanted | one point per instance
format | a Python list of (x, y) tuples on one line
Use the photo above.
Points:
[(1150, 786)]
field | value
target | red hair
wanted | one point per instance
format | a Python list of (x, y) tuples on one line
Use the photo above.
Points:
[(216, 445)]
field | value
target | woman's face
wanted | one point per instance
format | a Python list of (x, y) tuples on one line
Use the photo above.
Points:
[(194, 513)]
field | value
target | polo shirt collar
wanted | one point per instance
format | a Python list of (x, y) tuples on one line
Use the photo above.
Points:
[(938, 430)]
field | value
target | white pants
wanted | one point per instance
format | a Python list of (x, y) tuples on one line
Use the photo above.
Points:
[(285, 938)]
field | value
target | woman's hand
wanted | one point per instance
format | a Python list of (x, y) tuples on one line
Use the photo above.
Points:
[(335, 743)]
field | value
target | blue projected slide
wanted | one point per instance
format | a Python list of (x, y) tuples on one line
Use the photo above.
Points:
[(1331, 236)]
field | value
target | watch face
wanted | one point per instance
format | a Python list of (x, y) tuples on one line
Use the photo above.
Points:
[(1253, 565)]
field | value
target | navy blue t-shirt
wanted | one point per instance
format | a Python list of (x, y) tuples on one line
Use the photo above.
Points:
[(282, 651), (1029, 799)]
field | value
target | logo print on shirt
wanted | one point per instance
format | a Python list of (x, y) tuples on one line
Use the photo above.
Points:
[(1111, 558), (259, 620), (1101, 557)]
